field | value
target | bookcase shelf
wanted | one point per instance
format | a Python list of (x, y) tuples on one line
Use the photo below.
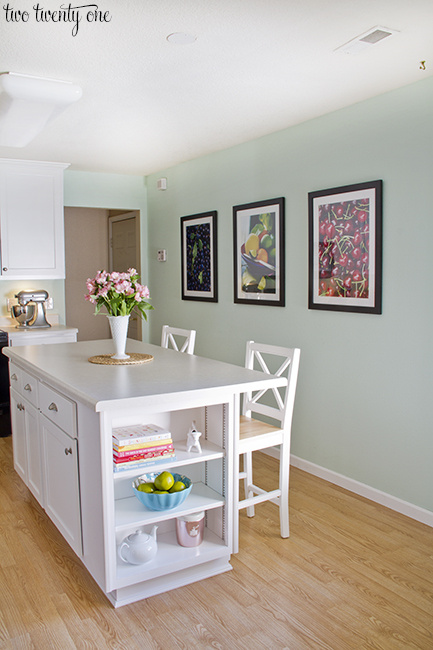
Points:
[(130, 512)]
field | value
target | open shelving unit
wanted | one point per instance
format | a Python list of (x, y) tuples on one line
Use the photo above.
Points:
[(173, 564)]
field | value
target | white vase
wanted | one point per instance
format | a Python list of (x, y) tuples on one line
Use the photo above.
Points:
[(119, 331)]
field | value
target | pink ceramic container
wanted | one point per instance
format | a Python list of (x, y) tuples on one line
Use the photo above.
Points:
[(189, 529)]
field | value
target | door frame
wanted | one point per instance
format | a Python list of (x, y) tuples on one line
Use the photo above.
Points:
[(123, 216)]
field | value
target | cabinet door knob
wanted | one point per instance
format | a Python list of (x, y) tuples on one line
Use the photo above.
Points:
[(14, 377), (4, 268), (68, 451), (53, 407), (20, 407), (28, 387)]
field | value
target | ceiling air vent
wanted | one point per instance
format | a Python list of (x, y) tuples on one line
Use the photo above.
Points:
[(366, 40)]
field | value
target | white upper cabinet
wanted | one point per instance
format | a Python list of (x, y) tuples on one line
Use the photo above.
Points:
[(31, 220)]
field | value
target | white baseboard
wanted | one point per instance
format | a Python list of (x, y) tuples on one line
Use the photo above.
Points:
[(387, 500)]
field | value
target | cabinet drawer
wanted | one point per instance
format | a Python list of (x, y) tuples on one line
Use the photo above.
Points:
[(44, 337), (58, 409), (24, 383), (29, 388), (16, 377)]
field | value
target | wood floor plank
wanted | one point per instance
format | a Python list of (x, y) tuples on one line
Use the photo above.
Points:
[(21, 643), (353, 575)]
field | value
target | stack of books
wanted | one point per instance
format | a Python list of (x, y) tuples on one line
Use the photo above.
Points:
[(141, 446)]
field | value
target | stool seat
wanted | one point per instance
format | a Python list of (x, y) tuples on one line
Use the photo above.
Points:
[(249, 428)]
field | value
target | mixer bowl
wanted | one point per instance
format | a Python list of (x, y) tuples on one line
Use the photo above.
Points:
[(22, 313)]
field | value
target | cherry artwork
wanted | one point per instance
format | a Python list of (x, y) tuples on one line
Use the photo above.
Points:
[(344, 230)]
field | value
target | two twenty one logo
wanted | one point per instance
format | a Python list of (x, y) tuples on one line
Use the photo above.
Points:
[(65, 14)]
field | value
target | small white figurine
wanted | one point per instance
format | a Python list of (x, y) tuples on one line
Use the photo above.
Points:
[(192, 443)]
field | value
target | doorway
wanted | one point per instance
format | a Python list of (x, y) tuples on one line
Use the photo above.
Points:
[(87, 251), (124, 253)]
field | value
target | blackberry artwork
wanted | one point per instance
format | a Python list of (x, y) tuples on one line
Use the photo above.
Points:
[(198, 257)]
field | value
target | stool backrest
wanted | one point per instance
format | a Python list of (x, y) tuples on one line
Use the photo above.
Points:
[(186, 344), (273, 403)]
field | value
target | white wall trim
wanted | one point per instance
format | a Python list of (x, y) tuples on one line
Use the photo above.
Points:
[(387, 500)]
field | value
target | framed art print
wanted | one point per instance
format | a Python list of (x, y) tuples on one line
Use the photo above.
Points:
[(345, 248), (199, 257), (258, 245)]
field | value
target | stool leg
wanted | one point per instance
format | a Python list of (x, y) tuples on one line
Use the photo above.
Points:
[(248, 467), (284, 487)]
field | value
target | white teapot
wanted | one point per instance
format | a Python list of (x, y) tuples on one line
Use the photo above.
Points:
[(138, 547)]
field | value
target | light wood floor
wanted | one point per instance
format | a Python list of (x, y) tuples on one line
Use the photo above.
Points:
[(352, 576)]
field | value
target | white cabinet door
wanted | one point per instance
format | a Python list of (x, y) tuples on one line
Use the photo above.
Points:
[(19, 444), (35, 481), (27, 444), (62, 493), (31, 218)]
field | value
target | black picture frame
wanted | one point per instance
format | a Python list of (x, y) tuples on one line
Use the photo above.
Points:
[(259, 253), (345, 248), (199, 257)]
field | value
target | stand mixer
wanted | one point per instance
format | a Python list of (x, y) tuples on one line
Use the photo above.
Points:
[(30, 311)]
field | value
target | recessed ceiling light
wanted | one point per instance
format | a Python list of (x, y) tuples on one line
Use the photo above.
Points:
[(180, 38), (367, 39)]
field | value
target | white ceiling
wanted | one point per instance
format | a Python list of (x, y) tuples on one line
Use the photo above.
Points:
[(257, 66)]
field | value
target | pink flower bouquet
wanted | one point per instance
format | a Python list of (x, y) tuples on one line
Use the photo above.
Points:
[(119, 293)]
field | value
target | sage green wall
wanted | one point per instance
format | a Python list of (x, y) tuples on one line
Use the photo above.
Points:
[(363, 405)]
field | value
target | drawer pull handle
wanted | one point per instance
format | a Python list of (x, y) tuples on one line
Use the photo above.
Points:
[(28, 387), (53, 407), (14, 377), (68, 451), (20, 407)]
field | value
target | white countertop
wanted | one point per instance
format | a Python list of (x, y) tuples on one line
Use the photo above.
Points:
[(106, 387), (34, 331)]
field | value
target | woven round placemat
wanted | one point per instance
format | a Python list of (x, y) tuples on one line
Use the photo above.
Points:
[(134, 358)]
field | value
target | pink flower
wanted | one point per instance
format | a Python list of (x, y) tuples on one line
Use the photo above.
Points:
[(101, 277), (118, 292), (123, 286)]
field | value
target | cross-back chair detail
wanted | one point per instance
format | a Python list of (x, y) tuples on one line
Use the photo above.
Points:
[(168, 339)]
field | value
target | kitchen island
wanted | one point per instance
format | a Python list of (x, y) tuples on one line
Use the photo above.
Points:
[(64, 410)]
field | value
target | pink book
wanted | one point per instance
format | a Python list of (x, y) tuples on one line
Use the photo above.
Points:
[(143, 450), (148, 453)]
